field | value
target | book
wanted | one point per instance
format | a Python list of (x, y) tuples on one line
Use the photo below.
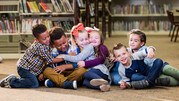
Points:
[(55, 6), (45, 7), (30, 7), (36, 7), (24, 6)]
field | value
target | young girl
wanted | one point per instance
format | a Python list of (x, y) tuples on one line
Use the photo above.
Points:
[(137, 40), (98, 75)]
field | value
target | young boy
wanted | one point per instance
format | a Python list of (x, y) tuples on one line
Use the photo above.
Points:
[(128, 65), (63, 74), (33, 61), (137, 41)]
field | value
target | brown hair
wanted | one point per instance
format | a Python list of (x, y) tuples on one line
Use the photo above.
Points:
[(118, 46), (38, 29), (102, 42), (140, 33)]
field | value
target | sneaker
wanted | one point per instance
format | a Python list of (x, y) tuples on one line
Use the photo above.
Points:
[(162, 81), (70, 84), (49, 83), (98, 82), (142, 84), (6, 81), (104, 88)]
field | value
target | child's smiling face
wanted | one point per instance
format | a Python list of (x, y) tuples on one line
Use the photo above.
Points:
[(123, 56), (82, 40), (44, 38), (94, 38), (135, 42)]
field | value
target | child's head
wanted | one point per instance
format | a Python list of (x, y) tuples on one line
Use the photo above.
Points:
[(40, 32), (95, 37), (121, 54), (137, 39), (59, 39), (80, 35)]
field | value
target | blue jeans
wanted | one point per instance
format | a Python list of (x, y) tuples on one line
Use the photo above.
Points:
[(26, 80), (93, 74), (151, 73), (115, 77)]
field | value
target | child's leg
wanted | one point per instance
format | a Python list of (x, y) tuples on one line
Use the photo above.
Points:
[(115, 78), (57, 78), (93, 74), (77, 74), (27, 80), (171, 71), (154, 72), (137, 77), (173, 81)]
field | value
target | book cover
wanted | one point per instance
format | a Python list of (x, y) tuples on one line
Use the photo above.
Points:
[(45, 7), (55, 6), (24, 6)]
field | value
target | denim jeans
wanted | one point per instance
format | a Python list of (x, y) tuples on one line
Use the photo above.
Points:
[(26, 80), (151, 73), (93, 74), (115, 77)]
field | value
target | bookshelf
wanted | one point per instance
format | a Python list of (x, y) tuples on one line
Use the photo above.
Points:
[(96, 14), (14, 43), (9, 27), (147, 15), (49, 12)]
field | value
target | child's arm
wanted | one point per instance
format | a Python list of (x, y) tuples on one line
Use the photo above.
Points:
[(85, 53), (56, 60), (103, 53), (151, 52), (61, 68)]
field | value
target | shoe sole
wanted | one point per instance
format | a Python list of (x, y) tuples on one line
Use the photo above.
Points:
[(46, 83), (74, 84), (98, 82), (6, 79), (104, 88)]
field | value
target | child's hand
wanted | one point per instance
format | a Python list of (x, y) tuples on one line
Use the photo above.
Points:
[(151, 53), (60, 56), (81, 64), (72, 53), (123, 85), (41, 77), (60, 69), (113, 59)]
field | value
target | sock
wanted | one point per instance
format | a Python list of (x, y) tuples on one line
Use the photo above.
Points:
[(171, 71), (173, 81)]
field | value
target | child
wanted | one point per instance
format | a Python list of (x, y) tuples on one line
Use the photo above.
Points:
[(128, 65), (101, 52), (98, 76), (137, 41), (33, 61), (63, 74)]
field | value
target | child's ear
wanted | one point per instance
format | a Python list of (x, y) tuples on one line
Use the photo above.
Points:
[(36, 40), (142, 44)]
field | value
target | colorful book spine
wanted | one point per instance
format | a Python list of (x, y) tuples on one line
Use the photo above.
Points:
[(30, 8), (45, 7)]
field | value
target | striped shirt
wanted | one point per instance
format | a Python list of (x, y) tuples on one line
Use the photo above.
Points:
[(35, 58)]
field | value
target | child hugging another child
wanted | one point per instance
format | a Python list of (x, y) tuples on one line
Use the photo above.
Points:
[(130, 64), (33, 61), (137, 41), (97, 77)]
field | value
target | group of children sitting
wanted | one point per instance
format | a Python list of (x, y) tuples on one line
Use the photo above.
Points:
[(56, 61)]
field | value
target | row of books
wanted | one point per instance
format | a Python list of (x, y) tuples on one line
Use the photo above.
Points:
[(28, 23), (9, 26), (8, 8), (143, 25), (141, 9), (55, 6)]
